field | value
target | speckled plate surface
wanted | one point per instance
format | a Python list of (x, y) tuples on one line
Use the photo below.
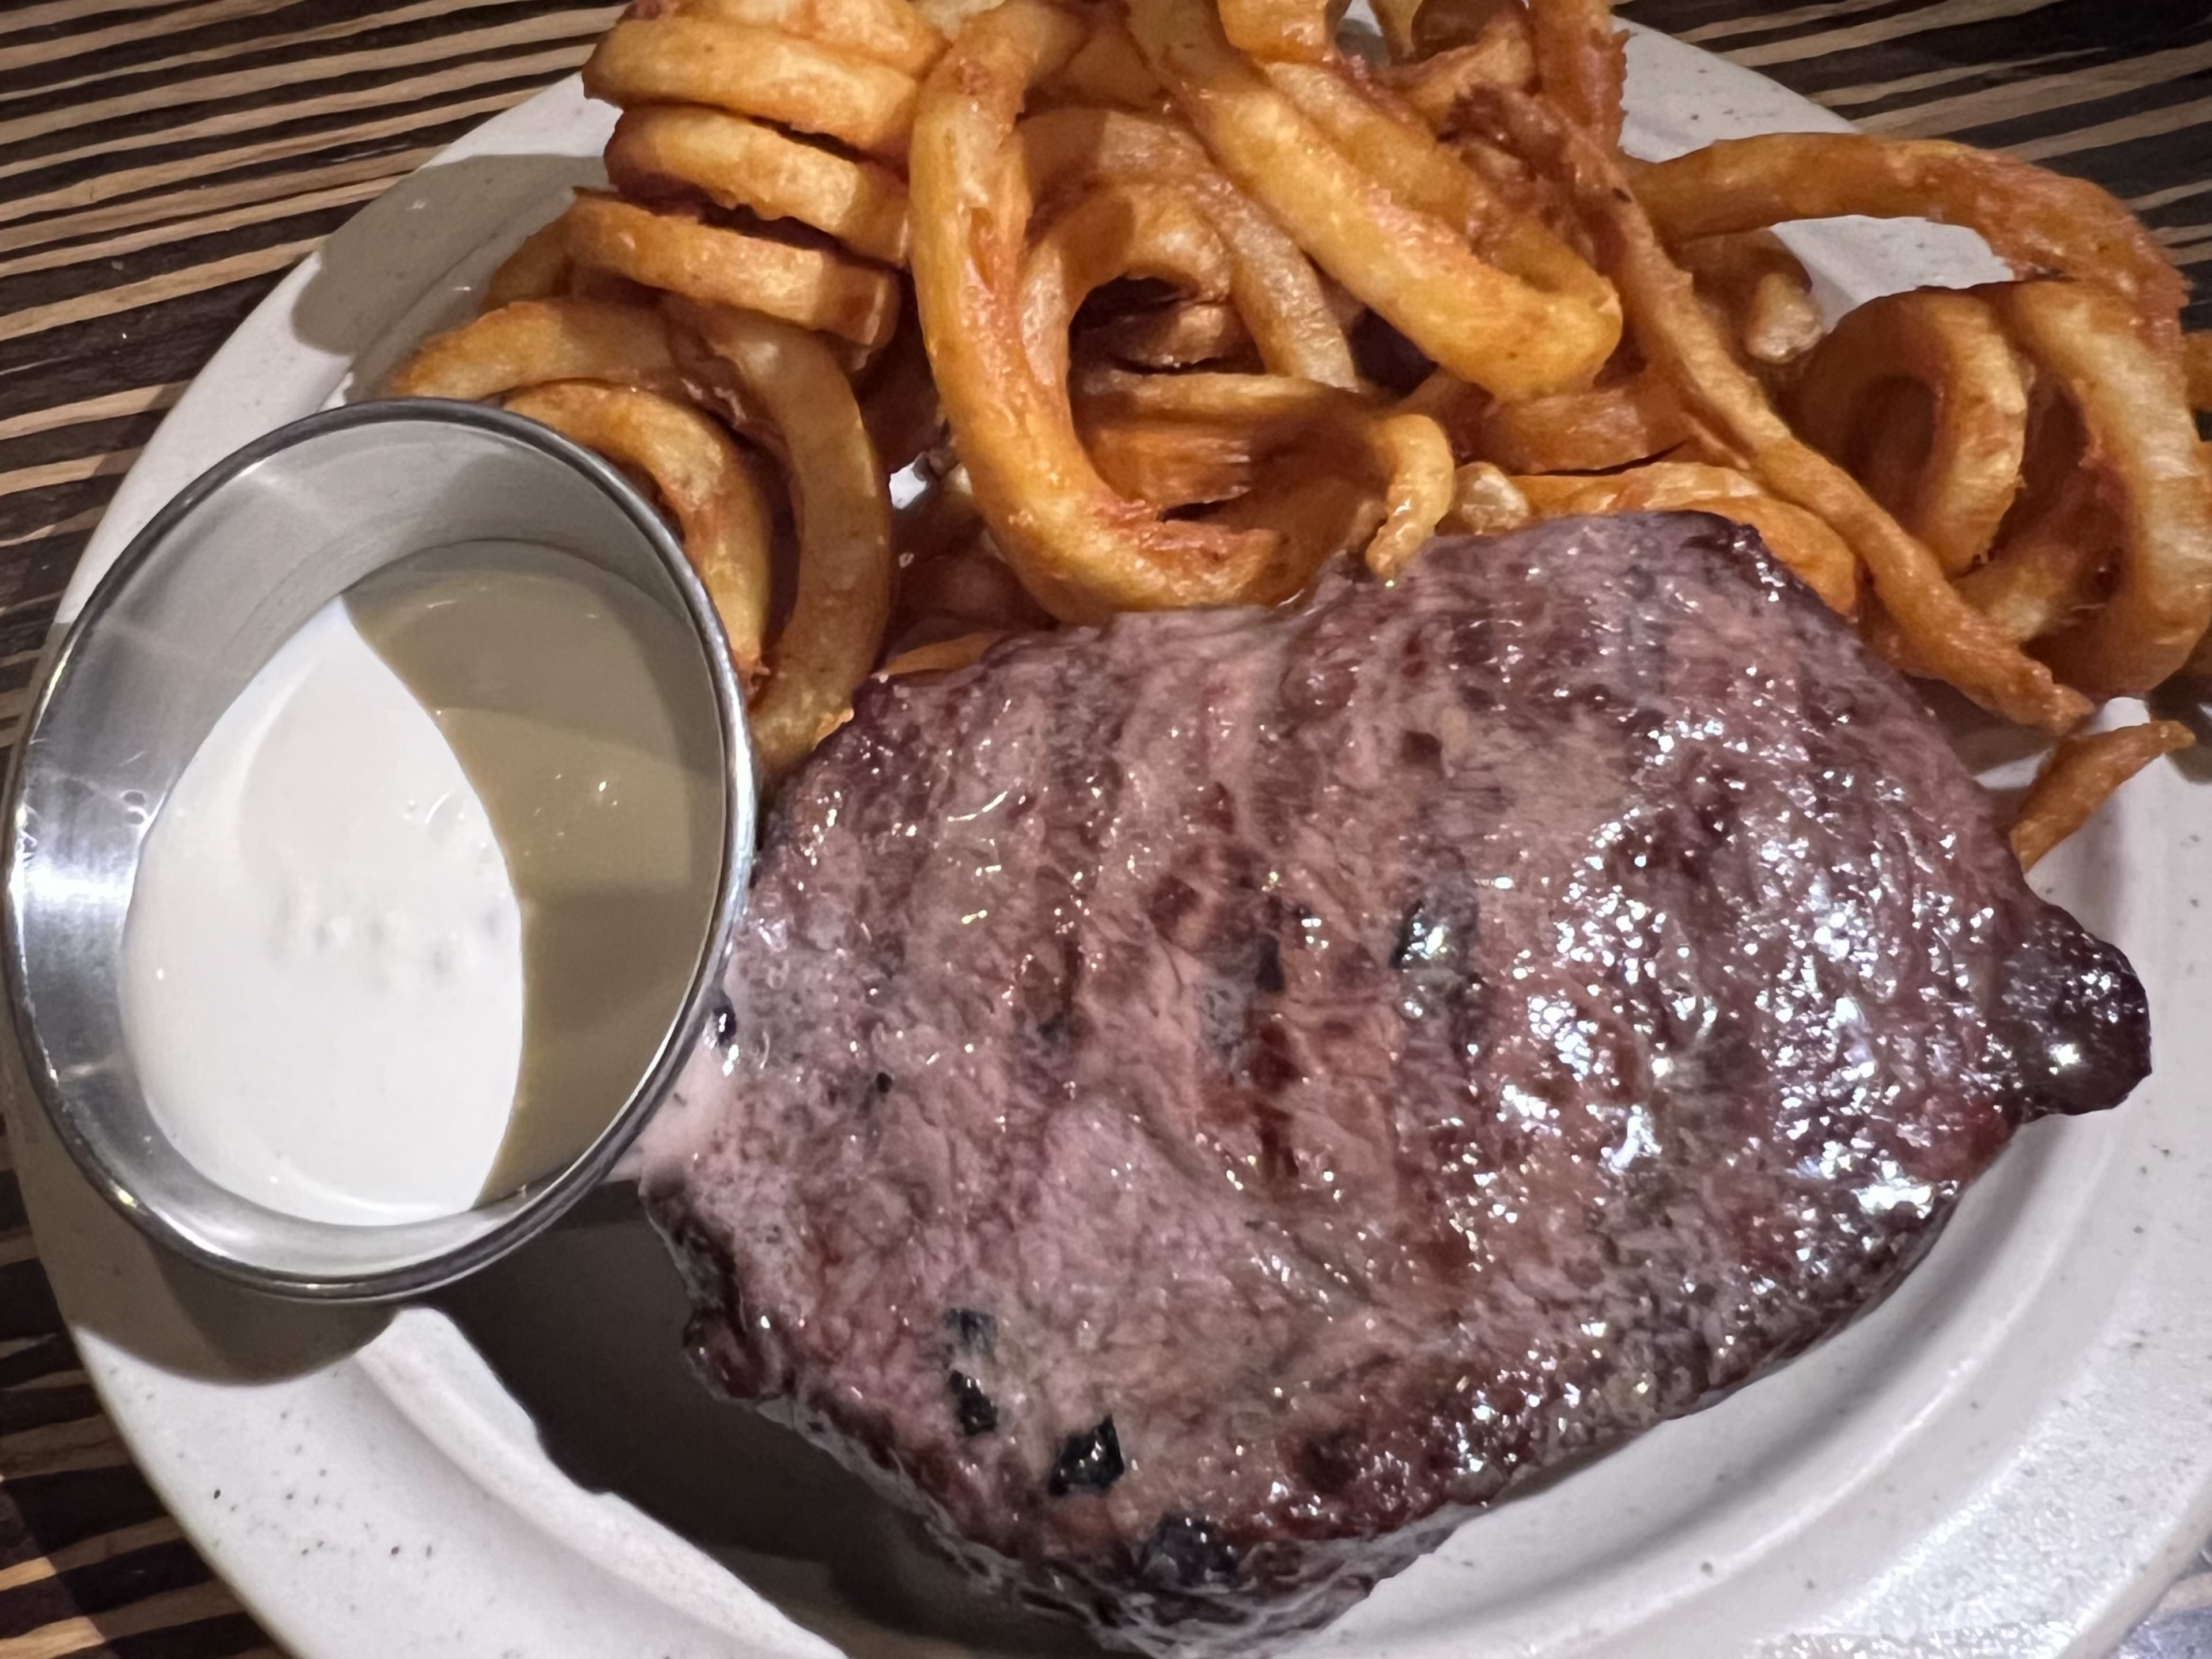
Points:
[(1987, 1467)]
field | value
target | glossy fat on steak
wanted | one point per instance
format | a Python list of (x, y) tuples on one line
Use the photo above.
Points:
[(1209, 1100)]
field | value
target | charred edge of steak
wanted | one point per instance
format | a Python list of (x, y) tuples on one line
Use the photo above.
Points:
[(972, 1409), (1090, 1461), (2060, 974)]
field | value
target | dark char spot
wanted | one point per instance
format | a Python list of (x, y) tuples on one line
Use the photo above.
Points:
[(1423, 750), (1328, 1462), (722, 1024), (883, 1083), (972, 1332), (1186, 1552), (1090, 1461), (971, 1407), (1268, 976)]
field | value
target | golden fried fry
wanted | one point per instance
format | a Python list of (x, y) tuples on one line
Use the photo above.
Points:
[(889, 31), (749, 70), (2134, 405), (2197, 364), (802, 285), (2082, 776), (1080, 547), (2037, 221), (1963, 456), (1276, 292), (941, 656), (738, 163), (1593, 431), (1294, 29), (531, 342), (1434, 88), (698, 474), (1679, 337), (1767, 292), (1582, 64), (1484, 324), (843, 507), (1485, 501), (1418, 492)]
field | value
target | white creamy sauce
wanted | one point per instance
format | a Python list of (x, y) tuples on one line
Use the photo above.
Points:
[(323, 977)]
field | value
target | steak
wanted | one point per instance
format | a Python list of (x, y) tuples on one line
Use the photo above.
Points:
[(1207, 1103)]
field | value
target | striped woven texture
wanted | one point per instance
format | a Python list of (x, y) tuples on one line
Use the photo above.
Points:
[(161, 164)]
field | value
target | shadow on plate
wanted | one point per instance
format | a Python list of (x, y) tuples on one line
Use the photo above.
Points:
[(583, 1327), (117, 1286), (458, 219)]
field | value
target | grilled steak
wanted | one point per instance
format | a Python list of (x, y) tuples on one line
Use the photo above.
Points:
[(1208, 1101)]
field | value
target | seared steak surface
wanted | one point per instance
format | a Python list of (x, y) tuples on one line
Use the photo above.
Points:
[(1209, 1100)]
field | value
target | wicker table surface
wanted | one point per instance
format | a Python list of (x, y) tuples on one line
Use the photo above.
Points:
[(162, 163)]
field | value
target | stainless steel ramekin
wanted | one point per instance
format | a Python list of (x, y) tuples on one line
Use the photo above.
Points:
[(189, 612)]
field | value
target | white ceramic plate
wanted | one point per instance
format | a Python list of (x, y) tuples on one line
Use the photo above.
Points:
[(2005, 1460)]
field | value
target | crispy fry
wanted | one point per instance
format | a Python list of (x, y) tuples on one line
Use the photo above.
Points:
[(1422, 29), (1484, 325), (1592, 431), (2036, 220), (1420, 490), (1110, 69), (1968, 467), (1275, 289), (2197, 364), (963, 587), (1283, 399), (843, 511), (1678, 337), (2142, 440), (538, 270), (1081, 548), (940, 655), (1435, 86), (1312, 507), (1179, 440), (1117, 230), (1397, 152), (1170, 463), (2034, 586), (2080, 775), (1486, 502), (1765, 289), (802, 285), (1801, 540), (533, 340), (1294, 29), (738, 163), (1179, 335), (889, 31), (698, 474), (1582, 64), (749, 69)]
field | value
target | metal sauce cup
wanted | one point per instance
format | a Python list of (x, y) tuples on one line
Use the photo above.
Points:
[(195, 606)]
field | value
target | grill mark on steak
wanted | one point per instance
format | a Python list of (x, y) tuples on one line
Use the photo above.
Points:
[(1346, 1059)]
